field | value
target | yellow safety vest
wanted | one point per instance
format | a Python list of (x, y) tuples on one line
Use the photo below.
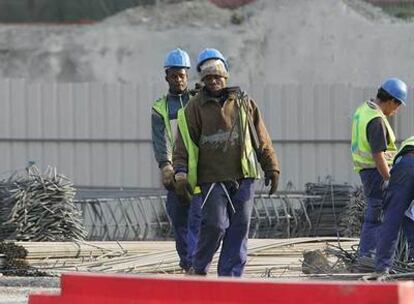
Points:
[(161, 107), (408, 142), (249, 163), (190, 146), (361, 150)]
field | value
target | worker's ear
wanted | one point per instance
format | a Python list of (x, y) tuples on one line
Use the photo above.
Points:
[(396, 101)]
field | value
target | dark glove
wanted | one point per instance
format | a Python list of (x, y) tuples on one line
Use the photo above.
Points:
[(272, 178), (168, 177), (183, 189)]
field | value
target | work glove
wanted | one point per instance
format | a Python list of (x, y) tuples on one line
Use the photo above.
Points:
[(168, 177), (272, 179), (183, 188)]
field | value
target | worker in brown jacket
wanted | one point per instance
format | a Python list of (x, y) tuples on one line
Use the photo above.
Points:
[(221, 140)]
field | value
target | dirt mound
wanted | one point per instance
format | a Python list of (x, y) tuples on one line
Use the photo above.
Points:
[(369, 11), (281, 41), (167, 16)]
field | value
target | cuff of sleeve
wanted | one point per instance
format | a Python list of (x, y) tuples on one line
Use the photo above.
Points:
[(182, 169), (163, 164)]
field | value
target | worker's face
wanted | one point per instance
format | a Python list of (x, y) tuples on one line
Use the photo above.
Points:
[(391, 107), (177, 80), (215, 84)]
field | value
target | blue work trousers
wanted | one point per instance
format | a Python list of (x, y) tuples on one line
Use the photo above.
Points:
[(221, 224), (186, 224), (398, 197), (371, 180)]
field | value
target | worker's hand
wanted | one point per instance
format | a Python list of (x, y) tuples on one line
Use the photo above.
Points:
[(272, 178), (182, 188), (168, 177), (384, 185)]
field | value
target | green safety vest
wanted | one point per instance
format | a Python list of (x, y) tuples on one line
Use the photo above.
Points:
[(190, 146), (249, 163), (161, 107), (408, 142), (361, 150)]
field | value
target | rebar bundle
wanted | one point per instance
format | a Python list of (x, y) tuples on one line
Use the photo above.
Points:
[(39, 207), (13, 261), (324, 212), (350, 220), (266, 257)]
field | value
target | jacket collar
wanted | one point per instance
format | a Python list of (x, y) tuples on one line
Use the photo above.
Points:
[(169, 94), (205, 97)]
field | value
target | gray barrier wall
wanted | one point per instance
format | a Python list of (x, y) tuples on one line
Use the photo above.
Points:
[(99, 135)]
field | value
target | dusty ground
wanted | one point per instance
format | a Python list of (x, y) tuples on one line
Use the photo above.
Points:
[(15, 290), (280, 41)]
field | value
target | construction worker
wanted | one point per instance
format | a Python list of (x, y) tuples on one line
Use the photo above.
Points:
[(185, 217), (373, 149), (221, 138), (397, 212)]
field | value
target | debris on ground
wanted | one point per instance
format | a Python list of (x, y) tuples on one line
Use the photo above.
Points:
[(13, 261), (336, 262), (315, 262)]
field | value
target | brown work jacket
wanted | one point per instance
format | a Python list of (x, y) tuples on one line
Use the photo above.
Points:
[(214, 126)]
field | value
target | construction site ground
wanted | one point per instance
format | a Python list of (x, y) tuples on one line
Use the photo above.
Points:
[(268, 259)]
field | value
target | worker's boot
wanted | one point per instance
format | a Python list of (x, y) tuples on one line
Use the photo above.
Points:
[(191, 272), (364, 264)]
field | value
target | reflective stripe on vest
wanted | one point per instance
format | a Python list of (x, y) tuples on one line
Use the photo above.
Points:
[(192, 150), (161, 107), (408, 142), (361, 150), (249, 161)]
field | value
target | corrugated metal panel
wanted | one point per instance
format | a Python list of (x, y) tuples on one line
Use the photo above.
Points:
[(99, 134), (96, 134), (311, 128), (404, 120)]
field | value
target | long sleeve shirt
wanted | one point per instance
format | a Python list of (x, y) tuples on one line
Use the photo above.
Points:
[(161, 142)]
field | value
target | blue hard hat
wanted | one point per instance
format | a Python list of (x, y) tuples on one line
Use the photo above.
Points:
[(177, 59), (207, 54), (396, 88)]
